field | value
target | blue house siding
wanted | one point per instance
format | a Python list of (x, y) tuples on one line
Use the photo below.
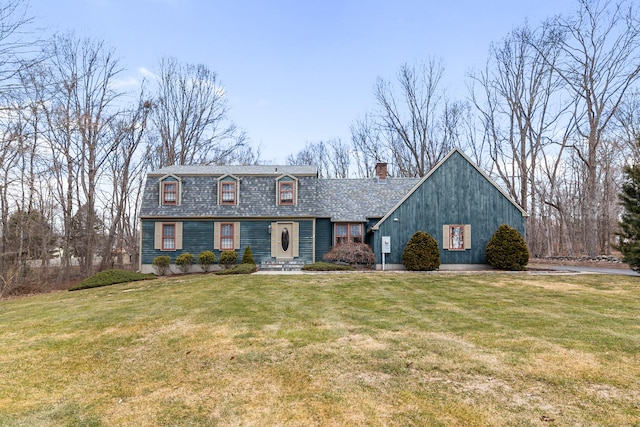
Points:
[(198, 236), (324, 237), (455, 193)]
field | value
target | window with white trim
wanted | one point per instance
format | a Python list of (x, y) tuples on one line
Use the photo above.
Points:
[(346, 232)]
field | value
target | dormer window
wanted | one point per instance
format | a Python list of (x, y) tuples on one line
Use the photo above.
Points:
[(228, 193), (228, 190), (170, 188), (286, 190), (286, 193), (169, 193)]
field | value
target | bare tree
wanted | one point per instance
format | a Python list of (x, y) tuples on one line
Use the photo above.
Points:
[(191, 117), (414, 125), (79, 111), (628, 123), (332, 158), (516, 98), (516, 107), (599, 63), (367, 146), (126, 173)]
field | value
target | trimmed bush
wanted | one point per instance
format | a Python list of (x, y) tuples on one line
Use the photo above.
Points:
[(247, 257), (161, 264), (206, 259), (111, 277), (239, 269), (507, 249), (228, 258), (184, 261), (352, 254), (421, 253), (326, 266)]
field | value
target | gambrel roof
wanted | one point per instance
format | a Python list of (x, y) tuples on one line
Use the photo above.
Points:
[(341, 200), (297, 170)]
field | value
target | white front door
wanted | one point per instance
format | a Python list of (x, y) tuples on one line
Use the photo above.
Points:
[(282, 240)]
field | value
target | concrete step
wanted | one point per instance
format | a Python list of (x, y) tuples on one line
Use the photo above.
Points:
[(273, 265)]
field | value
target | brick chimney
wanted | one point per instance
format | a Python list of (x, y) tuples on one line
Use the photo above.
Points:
[(381, 171)]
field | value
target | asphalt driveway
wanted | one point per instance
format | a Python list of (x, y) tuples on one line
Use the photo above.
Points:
[(585, 269)]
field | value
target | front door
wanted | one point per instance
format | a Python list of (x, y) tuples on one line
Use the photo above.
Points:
[(284, 240)]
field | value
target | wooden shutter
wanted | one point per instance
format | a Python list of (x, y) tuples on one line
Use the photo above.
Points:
[(236, 235), (178, 228), (296, 239), (467, 236), (157, 239), (445, 236), (216, 235)]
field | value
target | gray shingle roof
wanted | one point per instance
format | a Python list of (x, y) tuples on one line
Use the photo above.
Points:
[(356, 200), (236, 170), (348, 200)]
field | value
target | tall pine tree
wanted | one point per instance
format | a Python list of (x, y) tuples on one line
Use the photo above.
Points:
[(630, 222)]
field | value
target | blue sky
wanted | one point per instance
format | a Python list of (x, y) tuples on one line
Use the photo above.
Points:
[(297, 71)]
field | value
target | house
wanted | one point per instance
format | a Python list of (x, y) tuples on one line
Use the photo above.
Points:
[(290, 217)]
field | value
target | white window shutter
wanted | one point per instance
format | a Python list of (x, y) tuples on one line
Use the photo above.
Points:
[(216, 235), (157, 240), (467, 236), (445, 236)]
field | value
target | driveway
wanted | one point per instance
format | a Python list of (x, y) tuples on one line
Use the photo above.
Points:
[(586, 269)]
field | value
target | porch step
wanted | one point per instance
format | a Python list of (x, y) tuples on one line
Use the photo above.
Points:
[(273, 265)]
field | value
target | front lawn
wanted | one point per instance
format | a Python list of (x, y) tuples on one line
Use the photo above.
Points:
[(336, 349)]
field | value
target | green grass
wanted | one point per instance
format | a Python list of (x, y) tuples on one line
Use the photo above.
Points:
[(337, 349)]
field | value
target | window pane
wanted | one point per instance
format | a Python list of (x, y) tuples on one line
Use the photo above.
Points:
[(228, 193), (226, 237), (456, 235), (341, 230), (286, 192), (168, 236), (170, 192), (168, 230)]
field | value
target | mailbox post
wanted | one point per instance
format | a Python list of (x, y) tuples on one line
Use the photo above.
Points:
[(386, 248)]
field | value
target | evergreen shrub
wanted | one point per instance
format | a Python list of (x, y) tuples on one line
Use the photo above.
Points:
[(507, 249), (629, 234), (184, 261), (161, 264), (111, 277), (421, 253), (247, 257), (228, 258), (239, 269), (206, 259)]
